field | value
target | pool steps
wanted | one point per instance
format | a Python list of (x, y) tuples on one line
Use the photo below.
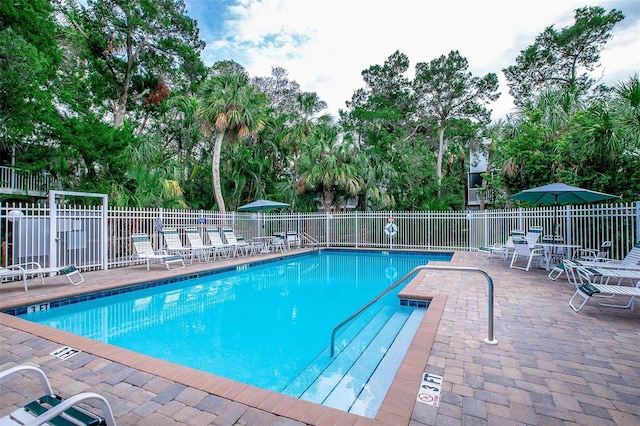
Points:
[(370, 352), (375, 390)]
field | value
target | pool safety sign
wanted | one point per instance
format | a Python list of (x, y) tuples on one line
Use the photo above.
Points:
[(430, 387)]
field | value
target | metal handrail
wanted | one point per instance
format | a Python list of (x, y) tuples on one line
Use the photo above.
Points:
[(314, 243), (489, 340)]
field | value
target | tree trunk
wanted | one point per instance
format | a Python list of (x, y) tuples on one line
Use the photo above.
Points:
[(215, 171), (441, 150), (327, 199), (119, 111)]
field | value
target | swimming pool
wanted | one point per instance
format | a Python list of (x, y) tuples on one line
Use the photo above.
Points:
[(265, 324)]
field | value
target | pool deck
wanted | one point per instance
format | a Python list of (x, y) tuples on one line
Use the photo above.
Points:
[(551, 366)]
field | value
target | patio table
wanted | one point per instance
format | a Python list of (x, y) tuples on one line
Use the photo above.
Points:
[(266, 243), (551, 249)]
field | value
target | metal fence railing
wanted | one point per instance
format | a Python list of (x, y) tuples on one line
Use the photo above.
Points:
[(25, 229), (16, 181)]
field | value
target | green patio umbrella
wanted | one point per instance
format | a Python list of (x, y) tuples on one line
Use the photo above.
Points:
[(560, 193), (262, 206)]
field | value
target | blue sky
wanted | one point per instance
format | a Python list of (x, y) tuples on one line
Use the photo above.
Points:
[(325, 44)]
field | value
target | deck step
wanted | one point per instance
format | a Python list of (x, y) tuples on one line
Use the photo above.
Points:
[(371, 397), (360, 357), (347, 390), (362, 329)]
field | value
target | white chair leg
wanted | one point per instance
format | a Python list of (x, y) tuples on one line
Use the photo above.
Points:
[(585, 298), (556, 272)]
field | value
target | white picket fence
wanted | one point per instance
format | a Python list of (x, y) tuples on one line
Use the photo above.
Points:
[(79, 240)]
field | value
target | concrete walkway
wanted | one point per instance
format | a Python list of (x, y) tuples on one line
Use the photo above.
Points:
[(550, 366)]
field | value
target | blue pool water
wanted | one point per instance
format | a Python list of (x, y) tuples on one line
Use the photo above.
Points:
[(267, 324)]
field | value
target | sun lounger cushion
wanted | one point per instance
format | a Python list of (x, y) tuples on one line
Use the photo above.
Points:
[(589, 289)]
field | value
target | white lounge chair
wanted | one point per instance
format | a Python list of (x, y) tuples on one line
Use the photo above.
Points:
[(33, 269), (293, 239), (630, 261), (222, 248), (203, 251), (144, 251), (174, 245), (533, 235), (594, 255), (13, 271), (500, 250), (252, 247), (522, 250), (585, 288), (242, 247), (52, 409)]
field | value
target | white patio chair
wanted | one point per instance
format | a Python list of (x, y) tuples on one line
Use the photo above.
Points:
[(144, 251), (52, 409), (13, 271), (533, 235), (202, 250), (222, 249), (594, 255), (499, 250), (523, 251), (585, 287), (242, 247), (174, 245), (293, 239), (33, 269), (630, 261), (278, 242)]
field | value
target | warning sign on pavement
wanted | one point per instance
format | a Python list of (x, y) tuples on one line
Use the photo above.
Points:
[(430, 387)]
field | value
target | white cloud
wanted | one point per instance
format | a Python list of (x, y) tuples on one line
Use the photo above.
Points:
[(324, 45)]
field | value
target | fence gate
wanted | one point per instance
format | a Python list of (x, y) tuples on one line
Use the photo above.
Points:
[(78, 236)]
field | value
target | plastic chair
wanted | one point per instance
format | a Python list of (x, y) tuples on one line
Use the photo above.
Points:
[(52, 409)]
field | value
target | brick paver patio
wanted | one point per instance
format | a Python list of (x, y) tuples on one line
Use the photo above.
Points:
[(550, 366)]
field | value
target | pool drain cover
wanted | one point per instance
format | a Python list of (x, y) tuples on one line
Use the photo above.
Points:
[(65, 352)]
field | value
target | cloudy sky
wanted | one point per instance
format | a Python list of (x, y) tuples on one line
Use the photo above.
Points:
[(325, 44)]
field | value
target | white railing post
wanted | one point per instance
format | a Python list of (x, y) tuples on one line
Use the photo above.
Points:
[(637, 239), (568, 227), (53, 231), (326, 230), (356, 227)]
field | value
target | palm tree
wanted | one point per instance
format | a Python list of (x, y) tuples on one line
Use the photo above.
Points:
[(152, 180), (330, 165), (626, 110), (308, 105), (230, 109), (183, 130)]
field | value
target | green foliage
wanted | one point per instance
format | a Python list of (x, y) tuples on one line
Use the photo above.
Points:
[(29, 57), (562, 59), (114, 99), (136, 48), (330, 166), (445, 90), (231, 109)]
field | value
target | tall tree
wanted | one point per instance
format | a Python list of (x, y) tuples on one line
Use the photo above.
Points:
[(138, 50), (385, 102), (562, 59), (29, 61), (331, 166), (231, 108), (444, 89), (626, 110)]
